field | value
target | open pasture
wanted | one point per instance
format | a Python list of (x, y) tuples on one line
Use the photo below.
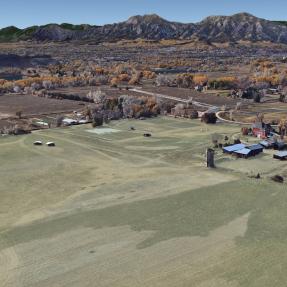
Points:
[(118, 209)]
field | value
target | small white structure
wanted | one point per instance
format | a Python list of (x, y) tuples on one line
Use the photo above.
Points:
[(51, 144), (38, 143), (69, 122), (83, 122), (42, 123)]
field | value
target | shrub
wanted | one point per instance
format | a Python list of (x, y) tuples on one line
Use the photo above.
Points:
[(209, 118), (194, 115), (278, 178)]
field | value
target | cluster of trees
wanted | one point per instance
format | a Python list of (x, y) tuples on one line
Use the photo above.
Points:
[(131, 77), (185, 80), (83, 73), (15, 129), (76, 74), (228, 83), (267, 72), (222, 83), (265, 75), (191, 80), (114, 108), (29, 85)]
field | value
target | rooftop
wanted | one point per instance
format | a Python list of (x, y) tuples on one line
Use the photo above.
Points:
[(255, 147), (244, 151), (235, 147), (281, 154)]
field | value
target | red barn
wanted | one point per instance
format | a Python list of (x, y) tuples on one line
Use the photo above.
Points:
[(260, 133)]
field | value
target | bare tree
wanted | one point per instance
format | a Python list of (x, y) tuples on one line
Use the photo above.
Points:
[(98, 96), (17, 89), (162, 80), (19, 114), (47, 85), (59, 120)]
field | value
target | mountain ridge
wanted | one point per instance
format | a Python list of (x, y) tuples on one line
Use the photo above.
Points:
[(238, 27)]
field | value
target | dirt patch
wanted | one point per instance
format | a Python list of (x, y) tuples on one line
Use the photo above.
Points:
[(102, 131)]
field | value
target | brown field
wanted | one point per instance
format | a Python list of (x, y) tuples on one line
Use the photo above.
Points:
[(4, 123), (272, 109), (30, 105), (208, 98)]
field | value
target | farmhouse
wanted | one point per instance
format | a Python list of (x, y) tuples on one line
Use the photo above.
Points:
[(261, 130)]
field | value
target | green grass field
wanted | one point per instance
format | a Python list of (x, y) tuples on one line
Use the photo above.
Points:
[(118, 209)]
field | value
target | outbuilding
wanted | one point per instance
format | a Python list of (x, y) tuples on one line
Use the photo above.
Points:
[(147, 135), (255, 149), (280, 145), (268, 144), (281, 155), (50, 144), (233, 148), (69, 122), (243, 153)]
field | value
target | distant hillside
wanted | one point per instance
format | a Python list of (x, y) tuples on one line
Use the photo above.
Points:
[(239, 27), (12, 33), (281, 22)]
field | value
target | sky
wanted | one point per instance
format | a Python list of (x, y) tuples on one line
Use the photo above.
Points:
[(24, 13)]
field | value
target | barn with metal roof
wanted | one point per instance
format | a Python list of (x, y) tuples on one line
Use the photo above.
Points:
[(231, 149)]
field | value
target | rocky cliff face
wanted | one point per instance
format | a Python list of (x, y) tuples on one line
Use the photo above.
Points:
[(239, 27)]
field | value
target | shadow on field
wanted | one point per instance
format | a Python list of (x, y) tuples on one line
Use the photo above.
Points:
[(194, 213)]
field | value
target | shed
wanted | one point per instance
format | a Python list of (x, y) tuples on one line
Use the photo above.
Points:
[(255, 149), (267, 144), (243, 153), (281, 155), (50, 144), (280, 145), (232, 148)]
